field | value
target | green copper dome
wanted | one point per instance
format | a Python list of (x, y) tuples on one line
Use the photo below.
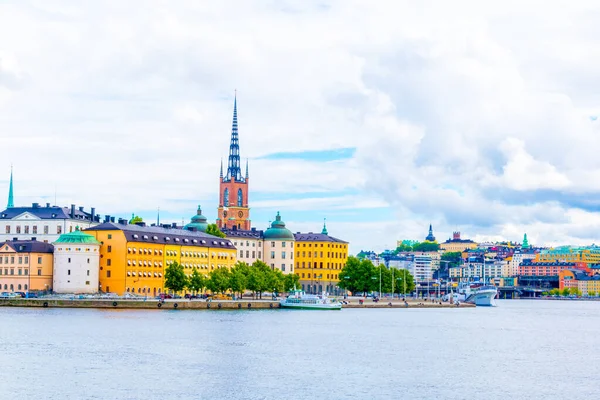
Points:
[(278, 230), (77, 237), (198, 222)]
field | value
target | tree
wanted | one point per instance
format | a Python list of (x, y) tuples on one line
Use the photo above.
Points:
[(357, 276), (291, 282), (403, 248), (218, 280), (555, 292), (426, 246), (565, 292), (213, 229), (257, 277), (275, 281), (575, 292), (135, 219), (197, 282), (405, 282), (175, 278), (592, 294), (238, 279), (454, 258)]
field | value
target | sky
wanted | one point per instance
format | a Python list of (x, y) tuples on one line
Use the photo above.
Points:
[(383, 117)]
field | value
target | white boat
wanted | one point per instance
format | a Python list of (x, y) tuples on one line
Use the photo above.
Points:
[(477, 293), (302, 301)]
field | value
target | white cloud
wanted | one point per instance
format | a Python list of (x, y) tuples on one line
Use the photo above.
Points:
[(473, 115)]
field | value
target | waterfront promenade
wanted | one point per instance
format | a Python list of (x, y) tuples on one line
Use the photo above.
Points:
[(184, 304)]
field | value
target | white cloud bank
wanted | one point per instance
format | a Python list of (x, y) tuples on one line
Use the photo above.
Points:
[(472, 115)]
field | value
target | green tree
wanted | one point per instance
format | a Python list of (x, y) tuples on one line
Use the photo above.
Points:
[(357, 276), (213, 229), (426, 246), (135, 219), (175, 278), (565, 292), (257, 277), (405, 282), (555, 292), (403, 248), (454, 258), (218, 280), (575, 292), (592, 294), (275, 281), (291, 282), (197, 282), (238, 279)]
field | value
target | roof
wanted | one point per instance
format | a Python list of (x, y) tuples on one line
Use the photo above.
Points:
[(155, 234), (77, 237), (48, 212), (241, 233), (278, 230), (29, 246), (458, 241), (316, 237)]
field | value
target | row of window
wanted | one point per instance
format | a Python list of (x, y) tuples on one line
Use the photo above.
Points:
[(248, 254), (320, 265), (144, 274), (335, 246), (141, 290), (12, 287), (253, 244), (76, 249), (21, 260), (34, 229), (320, 254), (20, 271), (282, 255), (320, 276)]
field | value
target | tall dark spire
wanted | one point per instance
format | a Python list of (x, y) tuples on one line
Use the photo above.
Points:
[(11, 202), (221, 175), (247, 176), (233, 168), (430, 237)]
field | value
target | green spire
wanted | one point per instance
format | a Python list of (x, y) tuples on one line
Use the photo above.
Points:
[(11, 202), (324, 231), (525, 244)]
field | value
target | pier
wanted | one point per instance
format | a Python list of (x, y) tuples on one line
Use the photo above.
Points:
[(184, 304)]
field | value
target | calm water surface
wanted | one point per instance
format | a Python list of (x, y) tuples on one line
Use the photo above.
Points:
[(521, 349)]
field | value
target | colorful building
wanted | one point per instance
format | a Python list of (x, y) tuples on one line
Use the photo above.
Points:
[(279, 246), (577, 279), (233, 210), (25, 265), (589, 255), (457, 244), (549, 268), (319, 260), (133, 258), (76, 263)]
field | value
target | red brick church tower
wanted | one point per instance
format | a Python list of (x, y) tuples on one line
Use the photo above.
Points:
[(233, 212)]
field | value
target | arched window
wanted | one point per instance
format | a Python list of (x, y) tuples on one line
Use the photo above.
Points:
[(226, 198), (240, 199)]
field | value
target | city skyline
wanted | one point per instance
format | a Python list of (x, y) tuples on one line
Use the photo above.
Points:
[(382, 127)]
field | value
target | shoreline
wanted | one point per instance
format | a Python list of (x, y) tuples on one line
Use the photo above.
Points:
[(184, 304)]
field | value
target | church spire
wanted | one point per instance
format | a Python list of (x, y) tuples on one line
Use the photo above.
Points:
[(430, 237), (158, 217), (525, 244), (324, 231), (221, 175), (247, 176), (233, 168), (11, 202)]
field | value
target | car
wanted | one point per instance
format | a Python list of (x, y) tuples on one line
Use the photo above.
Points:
[(4, 295), (221, 297), (33, 295), (22, 294)]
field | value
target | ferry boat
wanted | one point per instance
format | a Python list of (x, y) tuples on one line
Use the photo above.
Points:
[(302, 301), (477, 293)]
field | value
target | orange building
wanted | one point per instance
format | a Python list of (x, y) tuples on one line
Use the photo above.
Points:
[(25, 265), (133, 258), (233, 211)]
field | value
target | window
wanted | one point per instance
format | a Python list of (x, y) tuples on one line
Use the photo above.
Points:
[(272, 254), (272, 244), (26, 259), (253, 254), (241, 253), (69, 261), (45, 229), (20, 271), (282, 244), (12, 259), (18, 228), (39, 260), (109, 249), (110, 235), (68, 272), (283, 255), (88, 260), (107, 275), (1, 260), (108, 262), (259, 254), (58, 230), (26, 271), (283, 267), (88, 272), (26, 229), (226, 197), (87, 282), (39, 272), (7, 230), (20, 260), (247, 253)]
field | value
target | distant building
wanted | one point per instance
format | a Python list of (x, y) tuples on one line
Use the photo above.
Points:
[(279, 246), (589, 255), (44, 223), (319, 260), (421, 267), (76, 263), (430, 237), (531, 268), (25, 265), (578, 279), (249, 244), (515, 261), (457, 244)]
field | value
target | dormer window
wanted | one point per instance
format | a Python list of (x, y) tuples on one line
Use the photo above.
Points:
[(177, 239), (154, 237), (194, 241), (167, 238), (204, 242), (185, 240), (135, 236), (146, 237)]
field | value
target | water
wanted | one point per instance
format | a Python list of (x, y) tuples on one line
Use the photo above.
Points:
[(521, 349)]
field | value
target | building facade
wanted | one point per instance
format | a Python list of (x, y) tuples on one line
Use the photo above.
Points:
[(76, 263), (25, 265), (319, 260), (249, 244), (233, 210), (279, 246), (589, 255), (133, 258), (421, 267), (457, 244), (43, 223)]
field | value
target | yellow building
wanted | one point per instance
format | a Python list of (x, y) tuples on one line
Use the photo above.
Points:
[(457, 244), (588, 255), (319, 260), (25, 265), (133, 258)]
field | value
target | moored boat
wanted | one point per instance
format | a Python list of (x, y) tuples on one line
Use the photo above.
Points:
[(302, 301), (478, 293)]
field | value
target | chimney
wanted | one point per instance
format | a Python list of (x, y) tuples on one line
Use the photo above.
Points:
[(112, 219), (35, 205), (122, 221), (174, 225), (93, 214), (140, 224), (107, 218), (47, 205), (72, 211), (81, 209)]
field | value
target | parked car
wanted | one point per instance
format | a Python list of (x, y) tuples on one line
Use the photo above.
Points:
[(221, 297), (22, 294), (4, 295)]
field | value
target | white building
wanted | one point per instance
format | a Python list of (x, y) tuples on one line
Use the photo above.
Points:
[(517, 259), (76, 263), (421, 267), (279, 246), (43, 223), (249, 244)]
